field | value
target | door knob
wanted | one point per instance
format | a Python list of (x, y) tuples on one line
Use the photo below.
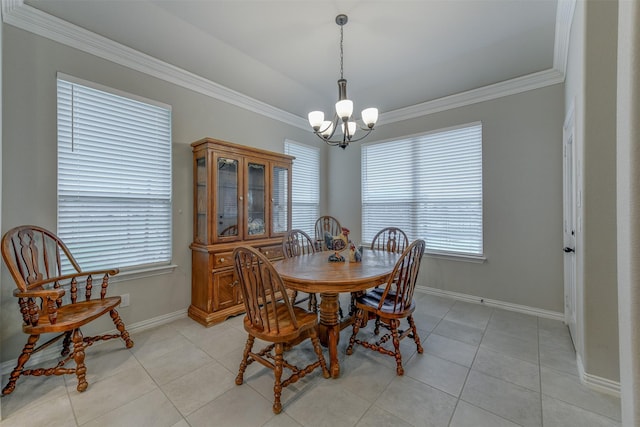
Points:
[(567, 249)]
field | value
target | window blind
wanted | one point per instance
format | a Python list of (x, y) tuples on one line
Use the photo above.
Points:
[(305, 191), (428, 185), (114, 177)]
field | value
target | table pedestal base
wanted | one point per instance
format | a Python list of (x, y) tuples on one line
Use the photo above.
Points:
[(329, 329)]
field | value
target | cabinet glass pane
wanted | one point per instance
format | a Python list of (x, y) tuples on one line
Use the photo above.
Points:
[(280, 203), (227, 214), (255, 199), (201, 205)]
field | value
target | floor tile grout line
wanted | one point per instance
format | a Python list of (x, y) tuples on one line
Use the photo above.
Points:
[(466, 378), (184, 417)]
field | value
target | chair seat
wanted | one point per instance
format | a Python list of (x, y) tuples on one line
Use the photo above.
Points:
[(72, 316), (287, 332), (370, 301)]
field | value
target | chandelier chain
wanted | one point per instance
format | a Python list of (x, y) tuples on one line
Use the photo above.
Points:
[(341, 53)]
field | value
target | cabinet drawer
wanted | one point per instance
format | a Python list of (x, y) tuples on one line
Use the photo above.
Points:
[(272, 252), (223, 259)]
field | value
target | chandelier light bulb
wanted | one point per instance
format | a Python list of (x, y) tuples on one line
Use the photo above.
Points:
[(344, 109), (315, 119), (370, 117), (327, 129), (351, 129)]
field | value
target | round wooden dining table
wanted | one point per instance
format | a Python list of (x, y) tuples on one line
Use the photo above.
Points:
[(314, 273)]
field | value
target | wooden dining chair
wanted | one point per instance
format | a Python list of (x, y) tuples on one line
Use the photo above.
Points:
[(391, 305), (274, 319), (390, 239), (49, 301), (326, 224), (294, 243)]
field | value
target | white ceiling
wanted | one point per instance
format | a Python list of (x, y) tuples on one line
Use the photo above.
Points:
[(286, 53)]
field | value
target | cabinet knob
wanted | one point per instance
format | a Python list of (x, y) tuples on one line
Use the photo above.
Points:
[(240, 198), (222, 259), (234, 283)]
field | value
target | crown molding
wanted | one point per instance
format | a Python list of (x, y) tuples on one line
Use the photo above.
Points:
[(35, 21), (25, 17), (564, 19), (486, 93)]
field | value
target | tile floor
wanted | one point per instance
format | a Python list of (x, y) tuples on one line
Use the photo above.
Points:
[(481, 367)]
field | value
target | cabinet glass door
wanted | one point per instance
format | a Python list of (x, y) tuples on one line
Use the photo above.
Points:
[(227, 202), (256, 197), (200, 232), (279, 199)]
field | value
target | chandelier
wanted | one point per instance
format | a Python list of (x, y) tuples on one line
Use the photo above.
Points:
[(325, 129)]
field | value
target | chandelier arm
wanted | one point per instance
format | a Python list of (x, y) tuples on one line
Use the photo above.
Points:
[(368, 131)]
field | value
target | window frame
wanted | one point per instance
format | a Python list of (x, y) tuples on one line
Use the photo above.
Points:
[(158, 193), (411, 224), (308, 176)]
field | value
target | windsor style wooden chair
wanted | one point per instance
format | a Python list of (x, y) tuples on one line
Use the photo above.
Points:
[(390, 239), (271, 317), (326, 224), (389, 306), (296, 242), (56, 296)]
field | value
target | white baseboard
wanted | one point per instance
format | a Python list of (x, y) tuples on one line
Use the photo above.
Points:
[(53, 352), (594, 382), (597, 383), (493, 303)]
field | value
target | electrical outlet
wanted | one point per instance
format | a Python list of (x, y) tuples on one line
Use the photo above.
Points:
[(125, 300)]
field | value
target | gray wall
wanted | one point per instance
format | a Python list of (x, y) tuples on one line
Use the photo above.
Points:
[(591, 85), (628, 208), (522, 191), (30, 64)]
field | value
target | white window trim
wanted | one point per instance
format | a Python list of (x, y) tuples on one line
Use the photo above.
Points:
[(451, 256), (144, 270)]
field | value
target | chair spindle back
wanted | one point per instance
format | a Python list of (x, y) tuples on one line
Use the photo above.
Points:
[(402, 282), (263, 291), (390, 239), (297, 242), (326, 224)]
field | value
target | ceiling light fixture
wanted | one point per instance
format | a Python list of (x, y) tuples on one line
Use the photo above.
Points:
[(325, 129)]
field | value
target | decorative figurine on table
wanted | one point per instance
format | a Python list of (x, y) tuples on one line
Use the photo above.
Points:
[(354, 253), (337, 244)]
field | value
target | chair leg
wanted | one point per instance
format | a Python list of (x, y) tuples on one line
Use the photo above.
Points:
[(277, 373), (414, 332), (120, 327), (313, 303), (245, 356), (78, 357), (318, 349), (393, 325), (66, 342), (356, 327), (376, 330), (24, 357)]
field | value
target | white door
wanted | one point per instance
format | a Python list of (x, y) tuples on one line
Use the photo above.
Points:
[(569, 228)]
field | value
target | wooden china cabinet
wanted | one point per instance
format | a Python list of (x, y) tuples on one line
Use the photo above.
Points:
[(242, 196)]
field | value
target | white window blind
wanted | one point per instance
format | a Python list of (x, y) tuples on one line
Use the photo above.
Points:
[(430, 186), (114, 176), (305, 191)]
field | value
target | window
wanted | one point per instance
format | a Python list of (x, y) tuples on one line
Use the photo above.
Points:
[(428, 185), (305, 191), (114, 176)]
